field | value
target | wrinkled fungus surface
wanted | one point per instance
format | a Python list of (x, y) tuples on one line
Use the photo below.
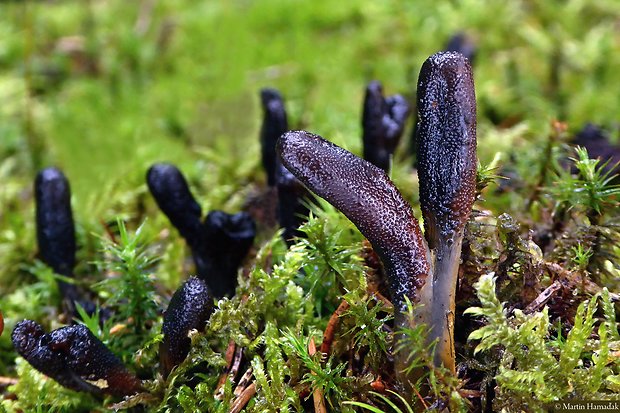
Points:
[(190, 307), (446, 144), (75, 358), (365, 194)]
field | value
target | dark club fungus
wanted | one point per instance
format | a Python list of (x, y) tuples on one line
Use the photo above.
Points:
[(463, 44), (383, 122), (56, 231), (189, 309), (75, 358), (424, 273), (364, 193), (291, 210), (275, 123), (218, 244), (447, 176)]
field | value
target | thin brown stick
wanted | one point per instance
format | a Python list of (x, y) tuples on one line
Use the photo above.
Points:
[(243, 382), (1, 323), (420, 397), (243, 398), (332, 325), (233, 361), (543, 297), (570, 279), (7, 381), (317, 394)]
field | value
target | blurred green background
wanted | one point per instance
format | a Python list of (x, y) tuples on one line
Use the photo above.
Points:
[(102, 89)]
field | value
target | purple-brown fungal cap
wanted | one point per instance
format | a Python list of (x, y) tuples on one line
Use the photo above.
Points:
[(365, 194), (75, 358), (190, 308), (383, 122), (447, 145)]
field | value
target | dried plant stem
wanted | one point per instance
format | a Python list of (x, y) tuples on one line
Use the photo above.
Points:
[(243, 399), (332, 325), (233, 361), (8, 381), (543, 297), (317, 394)]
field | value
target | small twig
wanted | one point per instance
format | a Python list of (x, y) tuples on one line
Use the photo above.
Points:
[(243, 398), (8, 381), (570, 279), (144, 17), (317, 394), (420, 397), (233, 361), (543, 297), (243, 382), (387, 304), (1, 323), (332, 325), (108, 231)]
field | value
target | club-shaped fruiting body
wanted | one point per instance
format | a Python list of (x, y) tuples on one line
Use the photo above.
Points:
[(56, 232), (383, 122), (189, 309), (218, 244), (227, 240), (365, 194), (275, 123), (447, 145), (462, 44), (172, 194), (75, 358), (291, 210), (55, 228), (447, 175)]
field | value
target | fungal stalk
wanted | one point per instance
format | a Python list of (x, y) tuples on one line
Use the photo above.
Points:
[(383, 122), (425, 273), (75, 358)]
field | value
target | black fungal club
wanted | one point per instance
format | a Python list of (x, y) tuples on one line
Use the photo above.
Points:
[(218, 244)]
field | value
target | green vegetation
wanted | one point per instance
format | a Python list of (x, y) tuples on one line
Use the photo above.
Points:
[(103, 89)]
